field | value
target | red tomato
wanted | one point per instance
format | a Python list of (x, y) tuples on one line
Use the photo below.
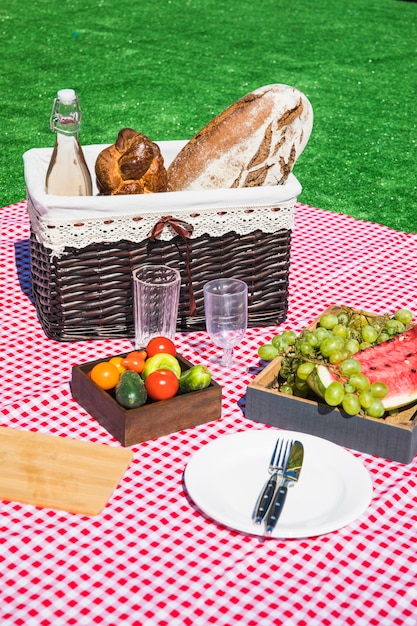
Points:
[(135, 361), (160, 344), (161, 384)]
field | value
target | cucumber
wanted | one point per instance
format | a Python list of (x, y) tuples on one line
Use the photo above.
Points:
[(196, 378), (130, 390)]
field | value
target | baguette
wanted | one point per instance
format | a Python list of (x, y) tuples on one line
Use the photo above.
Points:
[(254, 142)]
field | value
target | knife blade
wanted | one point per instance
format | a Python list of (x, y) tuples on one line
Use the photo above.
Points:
[(291, 476)]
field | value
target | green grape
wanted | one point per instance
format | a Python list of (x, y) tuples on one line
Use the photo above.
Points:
[(334, 393), (376, 409), (352, 345), (267, 352), (351, 404), (343, 318), (321, 333), (280, 344), (366, 399), (359, 381), (300, 384), (394, 327), (291, 380), (336, 357), (340, 331), (383, 336), (305, 348), (301, 393), (350, 366), (284, 372), (328, 320), (289, 336), (364, 345), (349, 388), (286, 388), (379, 390), (403, 315), (312, 340), (369, 334), (304, 370), (345, 354), (329, 344)]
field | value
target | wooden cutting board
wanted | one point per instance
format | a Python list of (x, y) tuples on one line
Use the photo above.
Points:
[(58, 472)]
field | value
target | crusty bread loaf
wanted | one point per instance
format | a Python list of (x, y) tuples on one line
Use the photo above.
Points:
[(133, 164), (254, 142)]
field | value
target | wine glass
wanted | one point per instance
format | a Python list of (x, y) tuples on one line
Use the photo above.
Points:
[(226, 310)]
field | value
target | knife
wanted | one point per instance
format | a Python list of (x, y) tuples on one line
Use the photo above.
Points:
[(291, 476)]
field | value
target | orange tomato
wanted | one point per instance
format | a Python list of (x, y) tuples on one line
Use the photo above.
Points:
[(105, 375), (117, 362), (135, 361)]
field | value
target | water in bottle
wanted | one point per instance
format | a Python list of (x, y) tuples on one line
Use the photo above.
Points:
[(68, 173)]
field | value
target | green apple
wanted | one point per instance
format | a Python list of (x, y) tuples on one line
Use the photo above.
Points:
[(161, 361)]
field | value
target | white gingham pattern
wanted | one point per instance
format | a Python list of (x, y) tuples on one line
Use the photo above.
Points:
[(151, 558)]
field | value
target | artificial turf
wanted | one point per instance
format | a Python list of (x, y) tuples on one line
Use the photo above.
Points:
[(166, 67)]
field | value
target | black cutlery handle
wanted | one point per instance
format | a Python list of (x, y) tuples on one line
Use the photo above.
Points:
[(265, 498), (276, 509)]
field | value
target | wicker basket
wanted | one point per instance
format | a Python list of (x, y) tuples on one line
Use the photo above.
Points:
[(85, 291)]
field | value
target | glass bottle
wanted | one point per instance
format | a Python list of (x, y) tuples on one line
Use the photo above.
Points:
[(68, 174)]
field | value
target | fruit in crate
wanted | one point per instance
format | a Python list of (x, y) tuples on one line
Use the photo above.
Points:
[(359, 362)]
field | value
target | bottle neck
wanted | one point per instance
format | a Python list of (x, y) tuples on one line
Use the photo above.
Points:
[(66, 118)]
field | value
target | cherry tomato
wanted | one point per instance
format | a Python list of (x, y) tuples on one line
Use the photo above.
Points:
[(160, 344), (135, 361), (105, 375), (161, 385), (117, 361)]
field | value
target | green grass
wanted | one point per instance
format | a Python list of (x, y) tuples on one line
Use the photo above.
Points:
[(166, 67)]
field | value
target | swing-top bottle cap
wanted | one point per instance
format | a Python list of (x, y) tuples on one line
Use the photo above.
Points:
[(66, 96)]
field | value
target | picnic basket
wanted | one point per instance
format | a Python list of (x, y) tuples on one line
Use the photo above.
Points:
[(84, 249)]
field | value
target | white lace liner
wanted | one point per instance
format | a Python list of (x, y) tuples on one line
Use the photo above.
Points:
[(60, 222)]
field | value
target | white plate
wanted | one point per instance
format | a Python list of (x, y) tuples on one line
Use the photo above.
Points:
[(225, 476)]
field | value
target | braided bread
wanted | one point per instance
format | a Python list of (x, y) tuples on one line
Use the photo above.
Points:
[(133, 164)]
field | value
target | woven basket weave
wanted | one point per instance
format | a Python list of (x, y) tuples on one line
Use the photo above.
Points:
[(87, 293)]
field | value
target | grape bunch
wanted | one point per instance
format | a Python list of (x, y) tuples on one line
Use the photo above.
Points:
[(327, 352)]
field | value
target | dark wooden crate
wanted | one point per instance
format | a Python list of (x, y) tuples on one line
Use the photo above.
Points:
[(153, 419), (396, 441)]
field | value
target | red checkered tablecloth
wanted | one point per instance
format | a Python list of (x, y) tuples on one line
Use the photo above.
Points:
[(151, 558)]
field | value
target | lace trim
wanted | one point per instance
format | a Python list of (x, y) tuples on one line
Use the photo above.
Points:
[(59, 234)]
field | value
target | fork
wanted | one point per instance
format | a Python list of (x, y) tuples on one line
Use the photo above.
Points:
[(276, 468)]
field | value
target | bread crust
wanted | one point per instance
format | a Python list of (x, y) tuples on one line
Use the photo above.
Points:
[(255, 141)]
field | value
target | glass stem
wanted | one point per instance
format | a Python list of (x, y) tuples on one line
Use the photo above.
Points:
[(227, 358)]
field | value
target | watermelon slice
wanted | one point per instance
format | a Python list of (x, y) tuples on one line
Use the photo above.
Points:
[(393, 362)]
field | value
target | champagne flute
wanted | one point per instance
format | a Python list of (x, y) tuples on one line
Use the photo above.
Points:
[(226, 310)]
